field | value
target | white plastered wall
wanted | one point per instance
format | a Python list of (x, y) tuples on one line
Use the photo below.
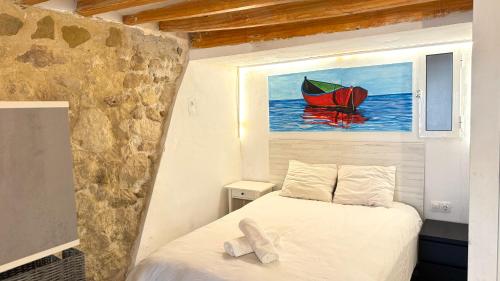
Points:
[(201, 155)]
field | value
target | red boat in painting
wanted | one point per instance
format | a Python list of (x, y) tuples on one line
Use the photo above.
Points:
[(317, 93)]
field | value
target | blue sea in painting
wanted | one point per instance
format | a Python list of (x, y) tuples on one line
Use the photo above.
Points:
[(377, 113), (388, 106)]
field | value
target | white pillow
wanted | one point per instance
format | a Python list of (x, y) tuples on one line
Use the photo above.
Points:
[(309, 181), (365, 185)]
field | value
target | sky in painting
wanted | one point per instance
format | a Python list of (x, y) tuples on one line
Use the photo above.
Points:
[(378, 80)]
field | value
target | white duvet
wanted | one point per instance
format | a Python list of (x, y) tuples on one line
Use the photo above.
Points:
[(319, 241)]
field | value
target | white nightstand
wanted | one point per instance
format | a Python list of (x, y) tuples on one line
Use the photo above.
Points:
[(247, 191)]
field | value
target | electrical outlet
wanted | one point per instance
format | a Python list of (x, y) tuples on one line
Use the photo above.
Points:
[(441, 206)]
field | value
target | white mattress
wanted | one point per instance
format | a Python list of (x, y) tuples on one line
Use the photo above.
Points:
[(319, 241)]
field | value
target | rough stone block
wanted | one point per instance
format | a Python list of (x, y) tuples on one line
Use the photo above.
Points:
[(75, 35), (45, 29), (40, 56), (9, 25)]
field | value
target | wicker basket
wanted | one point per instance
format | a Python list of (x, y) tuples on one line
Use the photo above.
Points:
[(70, 268)]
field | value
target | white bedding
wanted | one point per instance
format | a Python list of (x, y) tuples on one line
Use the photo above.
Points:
[(319, 241)]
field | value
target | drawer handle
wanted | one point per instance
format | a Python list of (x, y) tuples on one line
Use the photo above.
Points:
[(243, 193)]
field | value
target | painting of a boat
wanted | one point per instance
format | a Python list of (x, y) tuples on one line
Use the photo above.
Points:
[(346, 99), (372, 98)]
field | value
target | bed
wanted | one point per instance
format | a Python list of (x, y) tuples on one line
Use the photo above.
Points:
[(319, 241)]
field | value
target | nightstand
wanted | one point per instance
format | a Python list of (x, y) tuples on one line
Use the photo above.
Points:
[(442, 252), (246, 191)]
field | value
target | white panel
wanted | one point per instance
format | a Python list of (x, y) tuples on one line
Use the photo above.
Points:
[(484, 146), (33, 104), (40, 255), (409, 158), (37, 198)]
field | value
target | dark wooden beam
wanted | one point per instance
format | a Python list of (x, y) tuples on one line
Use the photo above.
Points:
[(94, 7), (337, 24), (198, 8), (284, 13), (33, 2)]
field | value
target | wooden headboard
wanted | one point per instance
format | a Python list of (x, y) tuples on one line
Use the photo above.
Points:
[(408, 157)]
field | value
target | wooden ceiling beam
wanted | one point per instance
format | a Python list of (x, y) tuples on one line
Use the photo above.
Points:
[(337, 24), (94, 7), (284, 13), (33, 2), (198, 8)]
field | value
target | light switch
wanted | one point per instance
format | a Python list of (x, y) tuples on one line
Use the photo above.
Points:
[(192, 106)]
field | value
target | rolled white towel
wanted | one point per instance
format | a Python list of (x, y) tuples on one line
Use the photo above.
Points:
[(261, 244), (240, 246)]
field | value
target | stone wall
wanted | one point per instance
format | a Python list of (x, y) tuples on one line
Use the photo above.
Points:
[(120, 84)]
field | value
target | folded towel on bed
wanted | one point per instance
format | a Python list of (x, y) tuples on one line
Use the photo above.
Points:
[(240, 246), (261, 244)]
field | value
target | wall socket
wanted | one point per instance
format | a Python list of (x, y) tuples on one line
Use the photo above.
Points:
[(441, 206)]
